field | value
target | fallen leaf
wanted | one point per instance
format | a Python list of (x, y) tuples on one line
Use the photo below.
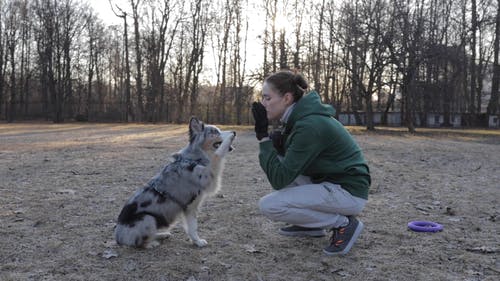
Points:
[(450, 211), (250, 248), (483, 250), (335, 270), (423, 207), (343, 273), (109, 254), (93, 253), (66, 191), (109, 243), (130, 266), (473, 272), (226, 265)]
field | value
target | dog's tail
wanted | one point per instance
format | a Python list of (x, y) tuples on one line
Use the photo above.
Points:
[(135, 228), (137, 234)]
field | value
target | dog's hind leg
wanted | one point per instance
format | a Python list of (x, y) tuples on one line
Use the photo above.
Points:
[(152, 244), (191, 228), (163, 234)]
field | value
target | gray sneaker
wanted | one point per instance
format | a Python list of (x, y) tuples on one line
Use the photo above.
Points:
[(344, 237), (300, 231)]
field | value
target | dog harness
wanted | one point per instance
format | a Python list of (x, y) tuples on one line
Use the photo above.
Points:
[(185, 163), (169, 196)]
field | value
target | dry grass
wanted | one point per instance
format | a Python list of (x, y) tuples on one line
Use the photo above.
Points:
[(62, 187)]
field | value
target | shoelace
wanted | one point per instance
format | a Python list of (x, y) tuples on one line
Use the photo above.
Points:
[(337, 232)]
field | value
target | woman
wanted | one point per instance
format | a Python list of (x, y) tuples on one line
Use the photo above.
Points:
[(318, 171)]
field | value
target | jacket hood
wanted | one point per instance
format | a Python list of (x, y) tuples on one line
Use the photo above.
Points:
[(309, 104)]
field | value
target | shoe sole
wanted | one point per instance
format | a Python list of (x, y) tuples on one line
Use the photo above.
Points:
[(315, 233), (355, 235)]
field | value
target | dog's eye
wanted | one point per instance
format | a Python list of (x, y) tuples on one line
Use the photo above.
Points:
[(217, 144)]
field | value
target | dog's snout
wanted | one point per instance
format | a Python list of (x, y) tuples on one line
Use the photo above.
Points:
[(234, 133)]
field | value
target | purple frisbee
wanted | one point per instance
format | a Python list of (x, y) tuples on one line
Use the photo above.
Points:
[(425, 226)]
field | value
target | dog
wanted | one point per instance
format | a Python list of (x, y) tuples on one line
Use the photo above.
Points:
[(178, 190)]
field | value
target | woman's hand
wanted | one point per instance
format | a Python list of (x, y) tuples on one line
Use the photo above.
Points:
[(261, 122), (278, 141)]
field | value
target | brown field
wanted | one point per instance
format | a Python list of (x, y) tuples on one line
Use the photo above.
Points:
[(62, 187)]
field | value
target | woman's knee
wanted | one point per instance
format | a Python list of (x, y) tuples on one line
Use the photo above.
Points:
[(269, 206)]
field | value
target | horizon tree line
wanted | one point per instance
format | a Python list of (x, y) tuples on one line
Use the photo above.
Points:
[(60, 61)]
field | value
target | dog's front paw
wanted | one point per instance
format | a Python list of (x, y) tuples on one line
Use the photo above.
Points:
[(152, 244), (201, 242), (231, 139)]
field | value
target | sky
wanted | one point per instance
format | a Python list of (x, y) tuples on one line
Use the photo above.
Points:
[(254, 48), (103, 9)]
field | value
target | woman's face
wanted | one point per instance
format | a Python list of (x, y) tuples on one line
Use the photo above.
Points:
[(275, 103)]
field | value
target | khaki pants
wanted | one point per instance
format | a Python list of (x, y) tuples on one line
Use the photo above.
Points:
[(324, 205)]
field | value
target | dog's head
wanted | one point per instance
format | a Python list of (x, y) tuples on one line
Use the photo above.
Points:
[(207, 137)]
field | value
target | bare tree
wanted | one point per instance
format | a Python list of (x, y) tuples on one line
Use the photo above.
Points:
[(493, 103), (298, 15), (159, 41), (222, 60), (138, 58), (405, 46), (270, 37), (473, 57), (178, 77), (45, 33), (26, 62), (368, 56), (199, 26), (352, 58), (2, 59), (274, 17), (317, 63), (265, 64), (11, 30), (91, 18), (129, 113), (329, 60), (241, 93)]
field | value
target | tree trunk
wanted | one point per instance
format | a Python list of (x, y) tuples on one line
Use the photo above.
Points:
[(317, 63), (494, 101), (2, 68), (138, 60), (91, 70), (473, 70), (13, 99)]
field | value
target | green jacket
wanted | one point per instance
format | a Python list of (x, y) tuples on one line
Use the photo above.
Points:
[(318, 146)]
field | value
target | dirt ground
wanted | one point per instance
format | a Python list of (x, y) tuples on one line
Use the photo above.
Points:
[(62, 187)]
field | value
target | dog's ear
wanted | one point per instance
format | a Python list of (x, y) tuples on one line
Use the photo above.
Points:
[(195, 127)]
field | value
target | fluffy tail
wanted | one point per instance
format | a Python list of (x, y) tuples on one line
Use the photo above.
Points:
[(137, 234)]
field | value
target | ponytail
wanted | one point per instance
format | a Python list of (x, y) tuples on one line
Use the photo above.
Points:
[(286, 81)]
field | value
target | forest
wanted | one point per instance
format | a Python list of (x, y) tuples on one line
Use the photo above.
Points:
[(170, 59)]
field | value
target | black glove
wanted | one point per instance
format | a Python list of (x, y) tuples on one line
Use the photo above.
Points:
[(278, 141), (261, 123)]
